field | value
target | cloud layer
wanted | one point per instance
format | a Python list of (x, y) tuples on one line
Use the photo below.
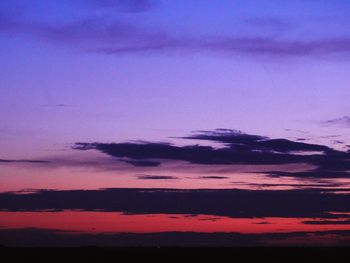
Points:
[(238, 149), (308, 203)]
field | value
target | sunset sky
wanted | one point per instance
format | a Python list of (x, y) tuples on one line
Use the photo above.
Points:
[(114, 105)]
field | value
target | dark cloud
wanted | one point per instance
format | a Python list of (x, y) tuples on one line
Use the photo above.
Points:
[(228, 136), (156, 177), (193, 153), (311, 174), (262, 223), (213, 177), (298, 186), (213, 219), (302, 139), (308, 203), (238, 148), (327, 222), (284, 145), (244, 141)]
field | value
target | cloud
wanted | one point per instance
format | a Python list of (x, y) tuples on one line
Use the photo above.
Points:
[(280, 48), (87, 33), (327, 222), (193, 153), (228, 136), (274, 23), (156, 177), (311, 174), (244, 141), (343, 121), (294, 130), (22, 161), (59, 105), (308, 203), (302, 139), (115, 36), (236, 152), (253, 46), (130, 6), (213, 177), (297, 186), (142, 163), (238, 148)]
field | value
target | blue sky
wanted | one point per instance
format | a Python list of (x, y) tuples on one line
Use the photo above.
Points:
[(119, 70)]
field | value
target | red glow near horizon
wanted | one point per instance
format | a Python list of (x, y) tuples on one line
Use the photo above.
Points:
[(113, 222)]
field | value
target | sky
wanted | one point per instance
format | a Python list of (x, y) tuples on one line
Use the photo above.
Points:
[(152, 94)]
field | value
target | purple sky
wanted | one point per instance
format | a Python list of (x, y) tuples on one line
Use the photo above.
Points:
[(186, 115), (120, 70)]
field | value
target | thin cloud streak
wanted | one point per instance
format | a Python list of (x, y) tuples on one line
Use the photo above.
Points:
[(119, 37), (342, 121), (267, 46), (24, 161), (129, 6), (156, 177)]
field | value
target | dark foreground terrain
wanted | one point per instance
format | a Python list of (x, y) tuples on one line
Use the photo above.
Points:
[(166, 254)]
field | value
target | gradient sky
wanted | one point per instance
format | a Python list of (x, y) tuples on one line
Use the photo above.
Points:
[(154, 70), (118, 70)]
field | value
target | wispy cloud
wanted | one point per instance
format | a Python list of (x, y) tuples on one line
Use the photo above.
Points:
[(59, 105), (317, 173), (116, 37), (342, 121), (142, 163), (263, 46), (24, 161), (275, 23), (124, 5)]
